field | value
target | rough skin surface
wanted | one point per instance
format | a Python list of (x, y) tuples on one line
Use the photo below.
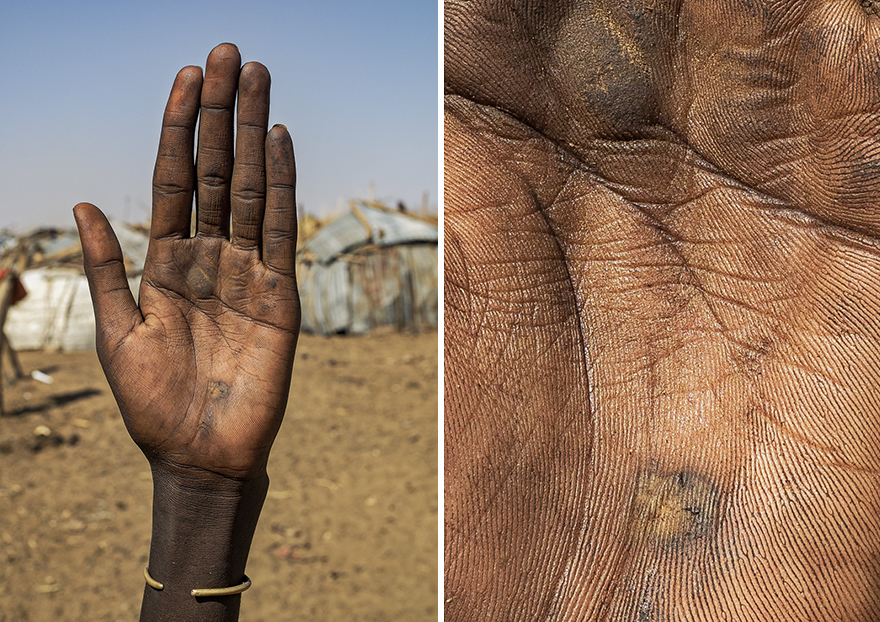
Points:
[(662, 310)]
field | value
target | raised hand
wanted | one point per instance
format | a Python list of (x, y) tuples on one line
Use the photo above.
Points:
[(200, 365), (662, 318)]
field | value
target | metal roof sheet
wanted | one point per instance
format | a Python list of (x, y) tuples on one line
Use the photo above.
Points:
[(365, 224)]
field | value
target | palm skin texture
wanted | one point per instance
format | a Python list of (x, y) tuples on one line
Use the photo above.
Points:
[(662, 310), (201, 364)]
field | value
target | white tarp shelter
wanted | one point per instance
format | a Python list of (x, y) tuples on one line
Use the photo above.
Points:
[(57, 312)]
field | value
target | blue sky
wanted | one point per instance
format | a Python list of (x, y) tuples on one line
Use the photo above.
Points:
[(85, 83)]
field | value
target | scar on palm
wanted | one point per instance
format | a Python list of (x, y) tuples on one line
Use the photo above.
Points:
[(217, 390), (673, 506)]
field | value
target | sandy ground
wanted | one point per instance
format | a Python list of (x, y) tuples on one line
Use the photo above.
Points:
[(349, 531)]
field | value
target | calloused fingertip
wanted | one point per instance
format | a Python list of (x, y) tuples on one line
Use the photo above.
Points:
[(224, 55), (254, 79), (280, 158), (80, 211), (89, 216), (187, 79), (220, 46), (279, 132), (255, 66)]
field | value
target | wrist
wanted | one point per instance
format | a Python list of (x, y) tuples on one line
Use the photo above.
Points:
[(183, 482), (203, 524)]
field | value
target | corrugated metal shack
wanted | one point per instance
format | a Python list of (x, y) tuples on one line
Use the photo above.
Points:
[(371, 267)]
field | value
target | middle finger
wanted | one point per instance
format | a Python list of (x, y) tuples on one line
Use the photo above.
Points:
[(215, 152), (249, 178)]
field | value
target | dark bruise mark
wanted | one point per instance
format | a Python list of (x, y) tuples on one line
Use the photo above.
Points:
[(750, 8), (206, 427), (217, 390), (201, 280), (273, 282), (670, 507)]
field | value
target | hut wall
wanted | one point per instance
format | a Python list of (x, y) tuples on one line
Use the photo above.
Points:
[(384, 286), (325, 287)]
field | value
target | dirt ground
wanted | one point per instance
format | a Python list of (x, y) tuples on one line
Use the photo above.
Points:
[(348, 532)]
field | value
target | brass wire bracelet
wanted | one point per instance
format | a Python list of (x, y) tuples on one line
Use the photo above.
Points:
[(203, 592)]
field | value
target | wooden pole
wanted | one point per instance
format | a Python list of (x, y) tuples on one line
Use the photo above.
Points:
[(17, 370), (5, 299), (15, 262)]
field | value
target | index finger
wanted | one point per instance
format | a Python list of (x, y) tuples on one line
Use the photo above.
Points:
[(279, 224), (173, 176)]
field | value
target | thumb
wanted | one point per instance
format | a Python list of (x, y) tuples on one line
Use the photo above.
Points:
[(116, 313)]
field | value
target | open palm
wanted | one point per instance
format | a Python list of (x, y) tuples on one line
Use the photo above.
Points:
[(201, 365)]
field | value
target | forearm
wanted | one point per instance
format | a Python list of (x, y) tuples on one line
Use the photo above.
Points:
[(202, 531)]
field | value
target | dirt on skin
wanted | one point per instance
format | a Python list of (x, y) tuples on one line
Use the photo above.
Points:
[(349, 529)]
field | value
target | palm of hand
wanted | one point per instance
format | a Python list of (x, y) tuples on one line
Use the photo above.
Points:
[(698, 282), (201, 368), (224, 326)]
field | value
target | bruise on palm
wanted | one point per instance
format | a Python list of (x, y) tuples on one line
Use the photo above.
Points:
[(201, 279), (216, 394)]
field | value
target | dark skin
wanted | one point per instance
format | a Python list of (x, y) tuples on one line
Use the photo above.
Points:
[(662, 311), (201, 365)]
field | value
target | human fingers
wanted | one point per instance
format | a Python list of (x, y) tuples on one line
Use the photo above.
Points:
[(116, 313), (249, 175), (279, 226), (215, 150), (173, 175)]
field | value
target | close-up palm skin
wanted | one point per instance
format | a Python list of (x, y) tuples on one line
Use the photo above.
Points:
[(662, 310)]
